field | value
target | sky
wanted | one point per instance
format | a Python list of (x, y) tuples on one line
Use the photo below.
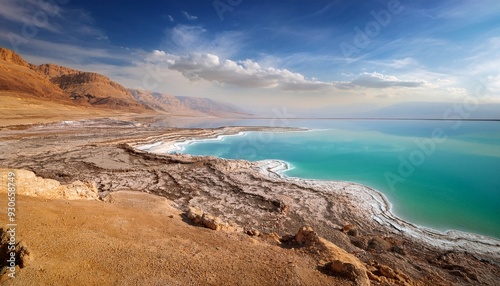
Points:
[(260, 54)]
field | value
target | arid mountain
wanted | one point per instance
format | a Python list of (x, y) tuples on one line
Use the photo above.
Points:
[(52, 70), (185, 105), (163, 103), (92, 88), (210, 106), (11, 57), (17, 77), (61, 85)]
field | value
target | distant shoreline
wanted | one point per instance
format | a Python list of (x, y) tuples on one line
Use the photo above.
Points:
[(368, 118)]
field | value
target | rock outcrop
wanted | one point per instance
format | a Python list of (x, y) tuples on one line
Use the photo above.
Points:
[(340, 262), (11, 57), (28, 184), (197, 216), (53, 71)]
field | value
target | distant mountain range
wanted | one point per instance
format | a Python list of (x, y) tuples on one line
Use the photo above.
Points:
[(92, 91), (54, 83), (182, 105)]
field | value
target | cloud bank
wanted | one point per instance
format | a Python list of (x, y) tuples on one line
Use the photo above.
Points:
[(250, 74), (378, 80), (246, 73)]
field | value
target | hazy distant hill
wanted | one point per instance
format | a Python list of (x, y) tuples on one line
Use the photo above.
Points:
[(210, 106), (185, 105), (162, 102)]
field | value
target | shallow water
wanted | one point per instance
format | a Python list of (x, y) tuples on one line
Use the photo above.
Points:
[(437, 174)]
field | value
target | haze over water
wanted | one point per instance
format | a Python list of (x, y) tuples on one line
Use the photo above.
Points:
[(450, 181)]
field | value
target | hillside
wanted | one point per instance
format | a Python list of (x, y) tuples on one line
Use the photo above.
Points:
[(92, 88), (163, 103), (17, 77), (210, 106), (186, 105), (52, 70), (11, 57), (62, 85), (48, 92)]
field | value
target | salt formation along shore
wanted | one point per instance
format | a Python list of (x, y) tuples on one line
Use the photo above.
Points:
[(370, 201), (347, 229)]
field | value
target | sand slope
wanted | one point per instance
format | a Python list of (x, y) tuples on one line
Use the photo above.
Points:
[(140, 239)]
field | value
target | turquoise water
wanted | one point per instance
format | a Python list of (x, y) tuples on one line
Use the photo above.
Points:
[(434, 173)]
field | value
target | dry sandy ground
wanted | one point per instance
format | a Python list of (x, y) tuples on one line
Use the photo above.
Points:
[(16, 109), (139, 239)]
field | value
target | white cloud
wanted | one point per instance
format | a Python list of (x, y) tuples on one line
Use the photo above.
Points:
[(250, 74), (378, 80), (186, 39), (403, 63), (69, 53), (32, 16), (188, 16), (489, 88), (32, 13), (247, 73)]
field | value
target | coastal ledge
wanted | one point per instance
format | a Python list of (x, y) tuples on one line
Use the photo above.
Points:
[(238, 191), (380, 210), (374, 206)]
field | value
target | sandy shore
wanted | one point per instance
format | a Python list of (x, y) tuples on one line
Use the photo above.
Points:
[(252, 195)]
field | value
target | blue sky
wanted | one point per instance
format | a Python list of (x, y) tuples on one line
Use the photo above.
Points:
[(271, 53)]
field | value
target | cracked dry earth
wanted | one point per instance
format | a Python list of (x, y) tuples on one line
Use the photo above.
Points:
[(102, 152)]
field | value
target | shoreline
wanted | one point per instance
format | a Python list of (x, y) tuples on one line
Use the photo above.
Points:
[(443, 239), (372, 200), (264, 208), (173, 147)]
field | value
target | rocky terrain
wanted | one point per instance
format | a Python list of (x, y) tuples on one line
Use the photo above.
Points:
[(17, 77), (317, 235), (91, 88), (133, 238)]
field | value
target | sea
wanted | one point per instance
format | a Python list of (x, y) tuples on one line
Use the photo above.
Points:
[(443, 175)]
